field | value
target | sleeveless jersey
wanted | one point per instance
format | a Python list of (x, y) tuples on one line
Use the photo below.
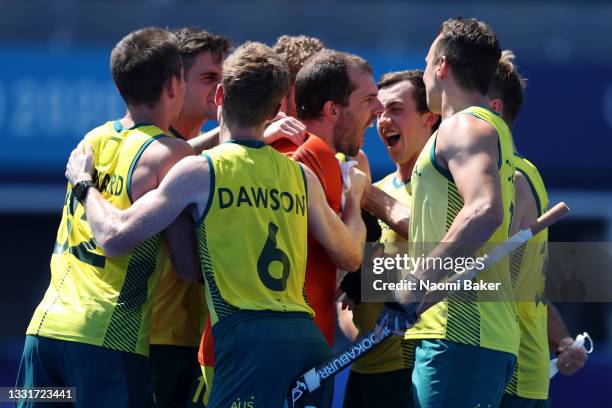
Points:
[(252, 235), (394, 353), (527, 267), (466, 317), (179, 307), (92, 298)]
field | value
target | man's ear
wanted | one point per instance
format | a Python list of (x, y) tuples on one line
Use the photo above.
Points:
[(219, 95), (331, 111), (443, 68), (496, 105), (283, 104), (429, 119), (171, 86)]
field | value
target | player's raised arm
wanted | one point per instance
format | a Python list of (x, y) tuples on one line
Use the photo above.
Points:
[(342, 240), (119, 231)]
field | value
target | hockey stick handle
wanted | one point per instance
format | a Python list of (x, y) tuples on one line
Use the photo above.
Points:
[(547, 219), (311, 380), (559, 211)]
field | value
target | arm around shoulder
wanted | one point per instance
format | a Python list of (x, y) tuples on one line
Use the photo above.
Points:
[(120, 231)]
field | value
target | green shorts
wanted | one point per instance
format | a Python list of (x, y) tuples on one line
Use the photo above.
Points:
[(514, 401), (176, 374), (449, 374), (102, 377), (390, 389), (258, 356)]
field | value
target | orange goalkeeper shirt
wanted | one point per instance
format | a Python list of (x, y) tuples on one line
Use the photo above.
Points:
[(320, 281)]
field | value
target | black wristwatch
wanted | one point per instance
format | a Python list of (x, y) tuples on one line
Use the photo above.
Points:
[(80, 190)]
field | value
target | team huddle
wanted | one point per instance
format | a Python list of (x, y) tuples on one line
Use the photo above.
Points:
[(205, 269)]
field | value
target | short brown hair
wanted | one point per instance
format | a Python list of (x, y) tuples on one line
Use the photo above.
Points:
[(325, 77), (509, 86), (193, 41), (472, 50), (142, 62), (295, 50), (415, 78), (254, 81)]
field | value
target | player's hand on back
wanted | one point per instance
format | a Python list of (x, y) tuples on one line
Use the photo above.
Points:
[(80, 165), (285, 127)]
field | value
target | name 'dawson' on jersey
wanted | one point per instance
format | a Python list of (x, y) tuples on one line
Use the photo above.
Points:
[(262, 198)]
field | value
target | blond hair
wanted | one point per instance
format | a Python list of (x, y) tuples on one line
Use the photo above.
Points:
[(295, 50)]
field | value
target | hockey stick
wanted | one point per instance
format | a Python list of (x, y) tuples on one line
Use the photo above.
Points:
[(311, 380)]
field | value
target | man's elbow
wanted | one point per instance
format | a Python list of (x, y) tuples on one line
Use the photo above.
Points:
[(492, 216), (112, 248), (112, 243)]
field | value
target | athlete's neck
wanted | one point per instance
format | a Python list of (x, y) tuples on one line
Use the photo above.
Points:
[(455, 99), (404, 170), (188, 127), (323, 129), (143, 114), (232, 132)]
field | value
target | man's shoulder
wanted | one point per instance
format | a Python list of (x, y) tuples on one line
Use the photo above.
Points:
[(466, 120), (317, 146), (315, 154), (105, 130), (463, 130), (163, 149), (384, 181), (159, 155), (285, 146)]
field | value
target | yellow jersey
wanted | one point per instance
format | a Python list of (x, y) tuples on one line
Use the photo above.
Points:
[(92, 298), (179, 307), (394, 353), (465, 317), (527, 266), (252, 235)]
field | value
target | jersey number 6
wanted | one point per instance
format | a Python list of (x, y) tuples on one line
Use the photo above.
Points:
[(270, 253)]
